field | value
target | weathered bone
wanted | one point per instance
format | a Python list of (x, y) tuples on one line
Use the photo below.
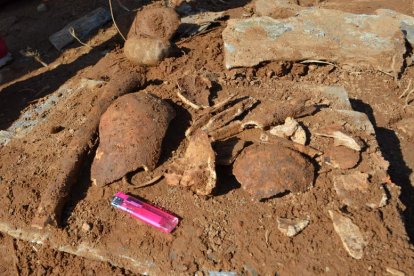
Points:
[(122, 80), (223, 118)]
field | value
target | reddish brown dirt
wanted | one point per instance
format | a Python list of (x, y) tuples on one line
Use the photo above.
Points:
[(227, 231)]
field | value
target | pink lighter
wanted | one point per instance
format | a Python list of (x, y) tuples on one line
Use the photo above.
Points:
[(149, 214)]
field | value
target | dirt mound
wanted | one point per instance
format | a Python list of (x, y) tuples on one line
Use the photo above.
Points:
[(352, 220)]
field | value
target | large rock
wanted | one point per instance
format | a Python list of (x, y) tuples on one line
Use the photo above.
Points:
[(131, 132), (359, 40), (287, 8), (265, 170)]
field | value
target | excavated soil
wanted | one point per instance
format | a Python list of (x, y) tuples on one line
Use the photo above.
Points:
[(227, 231)]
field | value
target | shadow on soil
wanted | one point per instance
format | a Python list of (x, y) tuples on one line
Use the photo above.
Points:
[(16, 97), (399, 171)]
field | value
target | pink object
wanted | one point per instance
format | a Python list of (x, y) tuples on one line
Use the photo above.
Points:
[(5, 56), (145, 212)]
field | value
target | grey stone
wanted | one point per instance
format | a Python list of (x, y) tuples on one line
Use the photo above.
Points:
[(358, 120), (337, 95), (82, 27), (406, 23), (5, 137), (37, 114), (408, 32), (374, 41), (199, 22), (86, 227)]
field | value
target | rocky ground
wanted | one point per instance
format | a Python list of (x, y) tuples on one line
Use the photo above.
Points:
[(296, 164)]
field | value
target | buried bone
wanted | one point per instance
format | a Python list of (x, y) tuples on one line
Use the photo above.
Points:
[(270, 113), (341, 138), (223, 118), (207, 115), (350, 235), (266, 170), (194, 91), (121, 80), (291, 130), (131, 132), (196, 169), (261, 137), (223, 125)]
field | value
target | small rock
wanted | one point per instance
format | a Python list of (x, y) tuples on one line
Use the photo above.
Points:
[(337, 96), (290, 129), (41, 7), (299, 136), (86, 227), (341, 157), (394, 272), (146, 51), (291, 227), (354, 181), (266, 170), (158, 23), (350, 235), (286, 130), (356, 191)]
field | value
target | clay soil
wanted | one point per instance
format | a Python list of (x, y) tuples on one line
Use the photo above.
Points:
[(227, 231)]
